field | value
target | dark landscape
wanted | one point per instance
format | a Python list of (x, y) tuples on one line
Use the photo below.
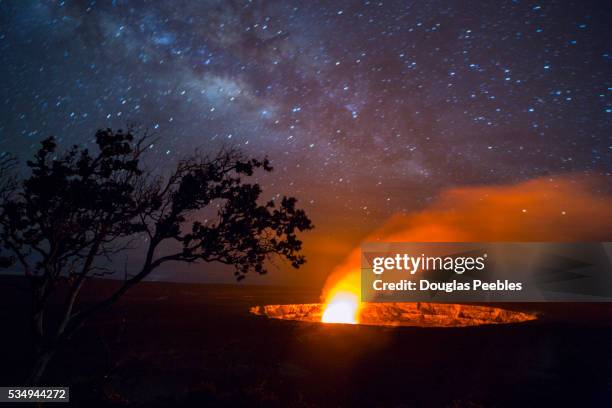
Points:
[(170, 344)]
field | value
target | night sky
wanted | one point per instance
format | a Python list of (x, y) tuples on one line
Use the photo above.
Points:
[(366, 108)]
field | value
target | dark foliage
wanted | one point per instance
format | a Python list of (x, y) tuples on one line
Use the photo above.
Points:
[(75, 211)]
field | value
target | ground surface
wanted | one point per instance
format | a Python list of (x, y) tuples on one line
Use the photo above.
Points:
[(197, 345)]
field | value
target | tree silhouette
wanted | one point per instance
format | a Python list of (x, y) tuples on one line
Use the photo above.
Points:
[(8, 187), (78, 210)]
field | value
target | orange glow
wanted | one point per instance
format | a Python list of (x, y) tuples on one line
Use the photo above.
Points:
[(543, 209), (342, 308), (342, 303), (342, 296), (403, 314)]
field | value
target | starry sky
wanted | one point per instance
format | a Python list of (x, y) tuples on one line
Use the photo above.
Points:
[(365, 108)]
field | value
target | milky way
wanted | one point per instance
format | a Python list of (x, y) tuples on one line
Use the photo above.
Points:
[(365, 108)]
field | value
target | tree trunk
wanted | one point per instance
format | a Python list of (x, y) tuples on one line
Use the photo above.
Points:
[(38, 368)]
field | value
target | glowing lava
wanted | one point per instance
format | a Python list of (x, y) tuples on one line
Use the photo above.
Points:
[(342, 308), (400, 314), (342, 300), (342, 305)]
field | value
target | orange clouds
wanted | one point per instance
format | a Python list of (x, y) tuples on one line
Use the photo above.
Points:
[(562, 208)]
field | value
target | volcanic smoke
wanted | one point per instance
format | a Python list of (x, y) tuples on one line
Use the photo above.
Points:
[(562, 208)]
